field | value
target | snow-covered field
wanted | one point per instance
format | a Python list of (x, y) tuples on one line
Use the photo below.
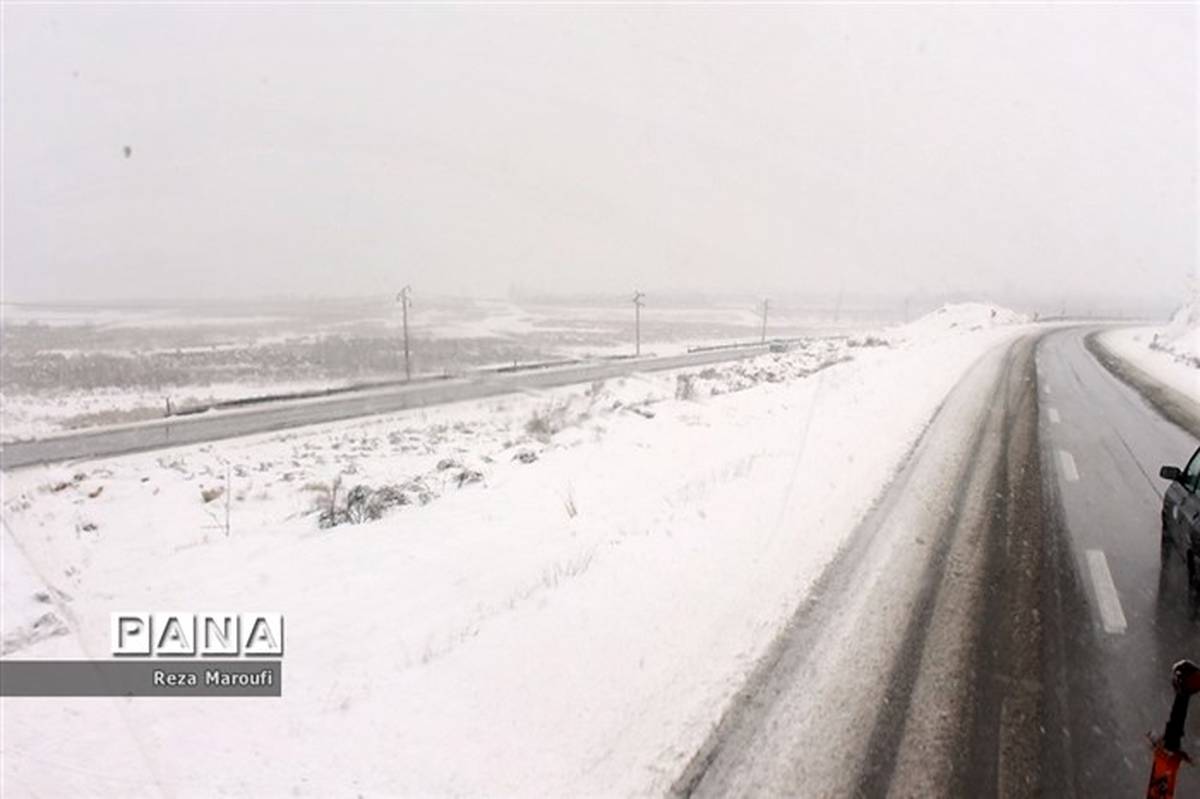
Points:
[(37, 415), (558, 596), (1169, 354), (73, 368)]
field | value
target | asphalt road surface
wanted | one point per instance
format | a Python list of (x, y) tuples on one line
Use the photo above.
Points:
[(1107, 444), (1000, 624), (214, 425)]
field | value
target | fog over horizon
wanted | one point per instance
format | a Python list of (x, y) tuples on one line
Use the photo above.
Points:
[(1000, 152)]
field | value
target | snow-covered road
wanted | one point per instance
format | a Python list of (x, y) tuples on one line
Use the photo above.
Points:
[(874, 688)]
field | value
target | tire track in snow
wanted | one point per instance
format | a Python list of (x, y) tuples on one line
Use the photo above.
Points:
[(813, 714)]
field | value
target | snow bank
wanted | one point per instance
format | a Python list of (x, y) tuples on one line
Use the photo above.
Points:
[(1181, 338), (1169, 354), (571, 623), (958, 317)]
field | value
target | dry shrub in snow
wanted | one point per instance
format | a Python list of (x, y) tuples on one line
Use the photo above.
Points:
[(868, 341), (685, 387), (545, 422), (209, 494), (361, 504), (1165, 345), (469, 476), (364, 503)]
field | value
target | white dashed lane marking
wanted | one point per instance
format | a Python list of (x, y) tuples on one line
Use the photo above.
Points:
[(1111, 614), (1068, 466), (1048, 391), (1054, 417)]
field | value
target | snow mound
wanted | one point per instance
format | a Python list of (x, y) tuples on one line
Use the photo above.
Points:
[(1181, 337), (961, 317)]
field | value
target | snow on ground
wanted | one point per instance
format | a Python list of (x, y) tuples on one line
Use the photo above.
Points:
[(1169, 354), (36, 415), (32, 616), (496, 318), (969, 316), (29, 614), (549, 331), (1181, 337), (559, 595)]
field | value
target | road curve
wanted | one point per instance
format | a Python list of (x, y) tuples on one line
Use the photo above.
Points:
[(1103, 443), (1000, 624)]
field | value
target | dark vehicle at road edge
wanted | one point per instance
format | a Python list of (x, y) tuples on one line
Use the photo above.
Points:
[(1181, 517)]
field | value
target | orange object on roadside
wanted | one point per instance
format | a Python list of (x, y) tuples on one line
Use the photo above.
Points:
[(1168, 750), (1165, 773)]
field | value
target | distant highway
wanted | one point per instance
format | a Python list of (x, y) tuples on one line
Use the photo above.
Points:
[(278, 415)]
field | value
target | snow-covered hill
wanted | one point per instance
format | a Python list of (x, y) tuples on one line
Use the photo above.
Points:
[(959, 317)]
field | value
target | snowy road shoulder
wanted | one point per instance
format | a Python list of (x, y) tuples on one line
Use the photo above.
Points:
[(1168, 356), (871, 690), (1141, 346), (1168, 380)]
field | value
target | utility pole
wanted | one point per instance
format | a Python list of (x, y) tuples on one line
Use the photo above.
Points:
[(405, 300), (638, 302), (766, 305)]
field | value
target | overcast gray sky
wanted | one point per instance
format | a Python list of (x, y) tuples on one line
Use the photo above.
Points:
[(309, 149)]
